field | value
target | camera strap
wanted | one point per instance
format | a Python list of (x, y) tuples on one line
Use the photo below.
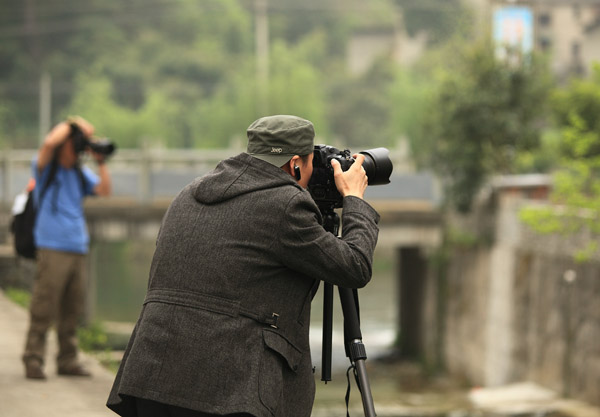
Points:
[(353, 369)]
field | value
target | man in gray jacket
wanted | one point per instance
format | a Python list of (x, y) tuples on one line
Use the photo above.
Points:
[(224, 329)]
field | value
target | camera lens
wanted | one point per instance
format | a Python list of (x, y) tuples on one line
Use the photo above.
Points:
[(103, 147), (378, 166)]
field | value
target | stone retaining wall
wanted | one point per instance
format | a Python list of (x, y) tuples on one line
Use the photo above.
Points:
[(522, 309)]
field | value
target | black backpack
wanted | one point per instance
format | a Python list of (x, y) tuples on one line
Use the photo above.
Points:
[(22, 229), (23, 223)]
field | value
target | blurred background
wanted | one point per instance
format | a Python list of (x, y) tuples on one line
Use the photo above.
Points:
[(487, 272)]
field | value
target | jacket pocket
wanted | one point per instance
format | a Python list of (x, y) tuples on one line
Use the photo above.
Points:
[(278, 358)]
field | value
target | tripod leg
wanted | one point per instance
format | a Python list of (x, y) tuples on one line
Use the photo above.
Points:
[(365, 388), (327, 332), (355, 348)]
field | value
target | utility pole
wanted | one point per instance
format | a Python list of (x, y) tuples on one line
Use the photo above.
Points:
[(35, 50), (31, 30), (45, 104), (261, 29)]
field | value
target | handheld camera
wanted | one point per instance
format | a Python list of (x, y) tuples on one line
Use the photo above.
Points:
[(378, 167), (81, 142)]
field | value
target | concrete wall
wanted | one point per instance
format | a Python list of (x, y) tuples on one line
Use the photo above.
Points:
[(465, 316), (521, 309), (558, 306)]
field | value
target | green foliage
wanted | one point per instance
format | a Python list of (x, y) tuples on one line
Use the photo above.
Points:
[(439, 18), (107, 360), (183, 74), (92, 337), (131, 53), (5, 117), (458, 238), (542, 219), (94, 340), (295, 86), (485, 112), (575, 110), (543, 159), (364, 107), (411, 93), (93, 97), (576, 191), (18, 296)]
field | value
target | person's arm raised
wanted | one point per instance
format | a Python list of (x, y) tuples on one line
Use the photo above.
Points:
[(104, 187), (57, 136)]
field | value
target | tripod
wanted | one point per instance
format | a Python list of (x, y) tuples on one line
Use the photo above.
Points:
[(355, 349)]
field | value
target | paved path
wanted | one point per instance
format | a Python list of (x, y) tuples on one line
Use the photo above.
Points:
[(58, 395), (61, 396)]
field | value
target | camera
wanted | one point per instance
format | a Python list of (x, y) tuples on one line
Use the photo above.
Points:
[(377, 165), (81, 143)]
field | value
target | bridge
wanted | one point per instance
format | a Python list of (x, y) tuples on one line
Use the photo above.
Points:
[(145, 181)]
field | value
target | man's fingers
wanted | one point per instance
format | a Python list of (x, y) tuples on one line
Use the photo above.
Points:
[(358, 159), (337, 168)]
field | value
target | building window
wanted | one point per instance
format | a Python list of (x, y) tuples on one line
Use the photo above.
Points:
[(576, 65), (545, 19), (544, 43), (575, 51)]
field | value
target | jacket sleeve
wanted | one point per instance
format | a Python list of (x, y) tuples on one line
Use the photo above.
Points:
[(305, 246)]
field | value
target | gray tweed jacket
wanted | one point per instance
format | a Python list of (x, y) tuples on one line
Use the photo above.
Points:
[(225, 324)]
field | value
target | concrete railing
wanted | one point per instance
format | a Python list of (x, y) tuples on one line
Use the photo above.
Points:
[(15, 168), (140, 174)]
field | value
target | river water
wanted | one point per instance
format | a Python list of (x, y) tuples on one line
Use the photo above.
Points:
[(120, 276)]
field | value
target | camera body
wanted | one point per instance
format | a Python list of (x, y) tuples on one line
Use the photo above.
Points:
[(322, 185), (81, 143), (323, 190)]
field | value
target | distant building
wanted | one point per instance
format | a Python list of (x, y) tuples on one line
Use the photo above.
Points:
[(367, 45), (568, 30)]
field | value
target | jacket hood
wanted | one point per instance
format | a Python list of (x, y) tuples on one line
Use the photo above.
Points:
[(239, 175)]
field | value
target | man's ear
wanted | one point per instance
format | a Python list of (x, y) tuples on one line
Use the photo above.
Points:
[(290, 166)]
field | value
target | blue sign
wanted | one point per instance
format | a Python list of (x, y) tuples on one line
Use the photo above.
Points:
[(513, 28)]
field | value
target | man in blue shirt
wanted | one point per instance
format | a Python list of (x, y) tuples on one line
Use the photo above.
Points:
[(62, 240)]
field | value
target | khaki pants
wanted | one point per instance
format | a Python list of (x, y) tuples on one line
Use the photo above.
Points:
[(58, 297)]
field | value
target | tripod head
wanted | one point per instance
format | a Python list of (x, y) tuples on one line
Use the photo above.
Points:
[(331, 221)]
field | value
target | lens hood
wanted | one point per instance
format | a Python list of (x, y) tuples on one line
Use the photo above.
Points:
[(378, 166)]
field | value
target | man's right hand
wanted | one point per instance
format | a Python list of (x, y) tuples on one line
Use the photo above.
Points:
[(352, 182)]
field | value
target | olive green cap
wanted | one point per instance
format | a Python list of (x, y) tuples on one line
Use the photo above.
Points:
[(276, 139)]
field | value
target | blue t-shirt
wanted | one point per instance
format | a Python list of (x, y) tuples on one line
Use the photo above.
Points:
[(60, 223)]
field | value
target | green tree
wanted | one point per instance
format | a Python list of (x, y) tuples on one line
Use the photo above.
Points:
[(184, 73), (411, 94), (362, 114), (483, 114), (296, 85), (576, 189), (124, 124), (47, 37), (440, 19), (179, 52)]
